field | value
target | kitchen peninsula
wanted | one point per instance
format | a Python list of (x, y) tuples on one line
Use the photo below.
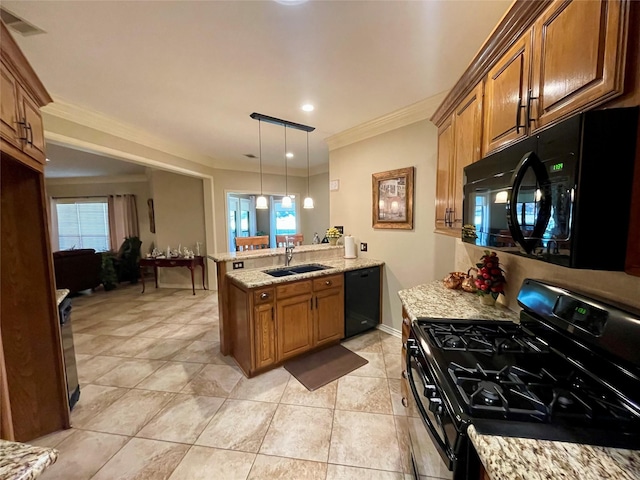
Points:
[(254, 303)]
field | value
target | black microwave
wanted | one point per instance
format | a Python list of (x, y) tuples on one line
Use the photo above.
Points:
[(562, 195)]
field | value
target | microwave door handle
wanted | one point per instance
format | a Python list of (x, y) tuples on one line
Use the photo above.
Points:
[(530, 159)]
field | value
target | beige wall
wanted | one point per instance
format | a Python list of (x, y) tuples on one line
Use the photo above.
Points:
[(616, 286), (179, 218), (95, 186), (226, 181), (317, 219), (411, 257)]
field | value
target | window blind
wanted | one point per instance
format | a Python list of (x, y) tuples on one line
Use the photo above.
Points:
[(83, 223)]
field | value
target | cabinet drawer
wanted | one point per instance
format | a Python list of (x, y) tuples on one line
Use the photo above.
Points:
[(263, 295), (294, 288), (330, 281)]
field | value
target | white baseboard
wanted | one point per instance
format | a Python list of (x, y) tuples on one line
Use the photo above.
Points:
[(390, 330)]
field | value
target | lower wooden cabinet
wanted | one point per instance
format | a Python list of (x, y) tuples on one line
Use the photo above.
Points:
[(271, 325)]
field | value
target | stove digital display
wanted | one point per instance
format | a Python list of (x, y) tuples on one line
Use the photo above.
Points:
[(582, 315)]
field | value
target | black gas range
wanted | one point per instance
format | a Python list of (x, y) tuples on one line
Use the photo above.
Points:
[(569, 371)]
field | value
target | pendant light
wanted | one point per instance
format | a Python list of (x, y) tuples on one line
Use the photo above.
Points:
[(308, 201), (261, 201), (286, 200)]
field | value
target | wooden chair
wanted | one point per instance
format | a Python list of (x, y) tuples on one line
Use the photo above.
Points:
[(296, 239), (252, 243)]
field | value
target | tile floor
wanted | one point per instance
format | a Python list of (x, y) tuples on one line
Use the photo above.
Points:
[(159, 401)]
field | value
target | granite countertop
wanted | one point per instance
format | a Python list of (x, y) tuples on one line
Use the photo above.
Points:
[(269, 252), (257, 278), (61, 293), (437, 301), (19, 461), (507, 458), (513, 458)]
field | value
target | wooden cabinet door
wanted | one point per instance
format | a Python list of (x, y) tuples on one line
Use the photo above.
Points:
[(329, 315), (505, 96), (578, 58), (264, 335), (467, 140), (10, 130), (34, 146), (445, 161), (294, 325)]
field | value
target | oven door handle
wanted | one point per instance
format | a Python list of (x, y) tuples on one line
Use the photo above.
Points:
[(423, 413)]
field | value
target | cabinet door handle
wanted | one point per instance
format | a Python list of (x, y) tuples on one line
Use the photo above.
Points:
[(311, 303), (26, 130), (30, 134), (405, 402), (529, 98), (264, 295), (404, 374), (327, 282), (520, 107), (406, 321)]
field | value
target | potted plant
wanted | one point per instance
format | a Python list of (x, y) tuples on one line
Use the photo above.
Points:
[(108, 275), (333, 234), (489, 278)]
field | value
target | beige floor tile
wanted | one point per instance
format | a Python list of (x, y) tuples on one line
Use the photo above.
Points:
[(160, 330), (297, 394), (211, 335), (375, 367), (402, 431), (93, 399), (238, 425), (143, 459), (203, 352), (380, 451), (183, 419), (364, 395), (390, 343), (129, 372), (52, 439), (97, 345), (342, 472), (200, 462), (278, 468), (395, 388), (190, 332), (393, 365), (82, 454), (365, 342), (163, 349), (129, 413), (105, 327), (133, 328), (214, 380), (171, 377), (182, 317), (267, 387), (130, 347), (95, 367), (299, 432)]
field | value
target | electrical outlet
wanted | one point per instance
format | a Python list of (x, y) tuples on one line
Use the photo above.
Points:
[(237, 265), (363, 247)]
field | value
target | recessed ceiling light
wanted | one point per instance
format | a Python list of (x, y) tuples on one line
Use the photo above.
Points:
[(289, 155), (307, 107)]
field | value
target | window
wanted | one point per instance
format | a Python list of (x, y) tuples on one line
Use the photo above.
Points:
[(83, 223)]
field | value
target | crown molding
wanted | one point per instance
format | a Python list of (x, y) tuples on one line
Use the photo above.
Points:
[(94, 180), (416, 112), (60, 108)]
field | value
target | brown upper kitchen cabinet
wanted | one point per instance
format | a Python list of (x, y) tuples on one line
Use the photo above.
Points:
[(459, 145), (506, 93), (33, 393), (578, 57)]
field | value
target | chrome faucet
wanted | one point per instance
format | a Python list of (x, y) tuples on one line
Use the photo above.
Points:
[(288, 251)]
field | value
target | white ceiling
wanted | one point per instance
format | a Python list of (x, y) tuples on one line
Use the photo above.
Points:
[(192, 72)]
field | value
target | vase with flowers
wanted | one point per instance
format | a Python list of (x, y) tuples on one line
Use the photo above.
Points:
[(333, 234), (490, 278)]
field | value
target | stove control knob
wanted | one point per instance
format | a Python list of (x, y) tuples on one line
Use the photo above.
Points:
[(435, 405), (430, 391)]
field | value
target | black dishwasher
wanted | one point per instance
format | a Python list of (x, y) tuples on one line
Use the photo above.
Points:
[(73, 386), (361, 300)]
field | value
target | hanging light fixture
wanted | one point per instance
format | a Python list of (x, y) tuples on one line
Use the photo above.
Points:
[(261, 201), (286, 200), (308, 201)]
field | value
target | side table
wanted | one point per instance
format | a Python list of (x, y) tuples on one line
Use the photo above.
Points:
[(190, 263)]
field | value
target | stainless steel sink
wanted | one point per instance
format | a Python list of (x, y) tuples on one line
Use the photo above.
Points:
[(295, 270)]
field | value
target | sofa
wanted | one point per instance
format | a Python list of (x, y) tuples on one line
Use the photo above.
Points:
[(78, 269)]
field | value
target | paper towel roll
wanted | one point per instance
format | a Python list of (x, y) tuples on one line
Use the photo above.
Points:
[(349, 247)]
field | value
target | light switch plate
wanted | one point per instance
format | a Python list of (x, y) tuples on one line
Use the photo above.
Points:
[(334, 185)]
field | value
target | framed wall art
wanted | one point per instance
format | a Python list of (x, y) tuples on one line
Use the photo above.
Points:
[(392, 193)]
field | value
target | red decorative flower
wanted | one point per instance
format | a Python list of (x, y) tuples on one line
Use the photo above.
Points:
[(490, 278)]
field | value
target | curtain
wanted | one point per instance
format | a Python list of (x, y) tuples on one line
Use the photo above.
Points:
[(123, 219)]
